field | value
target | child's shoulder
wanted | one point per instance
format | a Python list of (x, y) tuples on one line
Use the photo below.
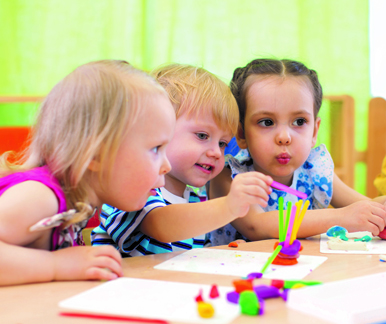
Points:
[(40, 174), (318, 160), (40, 178), (315, 177), (240, 163)]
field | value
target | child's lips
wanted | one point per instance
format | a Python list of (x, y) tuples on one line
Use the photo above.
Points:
[(206, 168), (283, 158)]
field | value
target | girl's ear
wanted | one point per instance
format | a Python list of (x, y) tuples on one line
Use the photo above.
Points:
[(94, 166), (240, 137), (316, 130)]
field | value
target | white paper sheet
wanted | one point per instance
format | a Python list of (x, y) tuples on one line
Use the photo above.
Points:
[(239, 263), (153, 299), (358, 300), (375, 246)]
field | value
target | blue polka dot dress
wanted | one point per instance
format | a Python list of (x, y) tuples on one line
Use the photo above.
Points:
[(314, 178)]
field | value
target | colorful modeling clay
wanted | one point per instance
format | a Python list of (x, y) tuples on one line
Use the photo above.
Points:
[(382, 258), (382, 234), (242, 285), (290, 254), (249, 303), (365, 238), (199, 297), (337, 231), (214, 292), (254, 275), (277, 283), (205, 310), (265, 292), (288, 284), (233, 244), (233, 297)]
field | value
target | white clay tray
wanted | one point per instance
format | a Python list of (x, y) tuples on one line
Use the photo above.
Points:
[(375, 246)]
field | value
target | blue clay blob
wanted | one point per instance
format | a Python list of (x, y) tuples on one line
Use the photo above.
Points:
[(337, 231)]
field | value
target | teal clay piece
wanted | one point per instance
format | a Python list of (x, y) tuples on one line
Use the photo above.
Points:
[(337, 231), (365, 238), (249, 303)]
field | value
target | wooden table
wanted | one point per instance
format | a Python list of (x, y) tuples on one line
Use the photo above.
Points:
[(38, 303)]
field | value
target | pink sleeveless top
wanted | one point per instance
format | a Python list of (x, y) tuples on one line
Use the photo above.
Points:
[(60, 238)]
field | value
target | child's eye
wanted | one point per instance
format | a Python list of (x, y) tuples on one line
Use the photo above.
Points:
[(223, 144), (265, 122), (202, 136), (299, 122), (155, 149)]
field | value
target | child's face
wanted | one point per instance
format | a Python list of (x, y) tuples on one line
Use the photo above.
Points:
[(280, 128), (196, 152), (141, 161)]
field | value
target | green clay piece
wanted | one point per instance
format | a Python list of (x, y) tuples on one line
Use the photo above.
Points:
[(343, 236), (365, 238), (288, 284), (249, 304)]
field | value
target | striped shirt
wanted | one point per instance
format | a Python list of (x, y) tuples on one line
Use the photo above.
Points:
[(121, 229)]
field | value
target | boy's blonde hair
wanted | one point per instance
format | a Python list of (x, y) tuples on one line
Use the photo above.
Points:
[(85, 117), (194, 90)]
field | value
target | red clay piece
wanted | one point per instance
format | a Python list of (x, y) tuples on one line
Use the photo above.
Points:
[(199, 297), (277, 283), (242, 285), (214, 292), (233, 244), (382, 234), (279, 261)]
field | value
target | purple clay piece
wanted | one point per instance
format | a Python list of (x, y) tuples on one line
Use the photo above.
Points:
[(233, 297), (284, 294), (261, 306), (264, 292), (293, 249), (254, 275)]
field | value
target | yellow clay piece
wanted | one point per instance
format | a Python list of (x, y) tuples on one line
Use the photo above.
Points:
[(205, 310), (298, 285)]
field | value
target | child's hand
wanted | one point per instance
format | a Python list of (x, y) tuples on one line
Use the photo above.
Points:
[(247, 189), (87, 263), (364, 215)]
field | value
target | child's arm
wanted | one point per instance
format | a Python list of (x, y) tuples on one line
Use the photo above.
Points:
[(359, 213), (23, 253), (177, 222)]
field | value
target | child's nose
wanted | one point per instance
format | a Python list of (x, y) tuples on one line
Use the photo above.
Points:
[(283, 137), (166, 166), (215, 151)]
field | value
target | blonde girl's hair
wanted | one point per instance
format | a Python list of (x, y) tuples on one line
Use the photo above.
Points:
[(194, 90), (85, 117)]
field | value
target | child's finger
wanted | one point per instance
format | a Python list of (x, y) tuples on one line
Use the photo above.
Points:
[(96, 273), (372, 227), (108, 251), (252, 199), (259, 191), (378, 222), (109, 263), (378, 210)]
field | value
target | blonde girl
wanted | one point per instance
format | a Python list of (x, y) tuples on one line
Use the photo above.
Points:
[(100, 130)]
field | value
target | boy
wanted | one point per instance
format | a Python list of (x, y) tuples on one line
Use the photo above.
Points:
[(207, 117)]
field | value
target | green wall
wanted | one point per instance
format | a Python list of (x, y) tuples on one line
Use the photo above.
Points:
[(43, 40)]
